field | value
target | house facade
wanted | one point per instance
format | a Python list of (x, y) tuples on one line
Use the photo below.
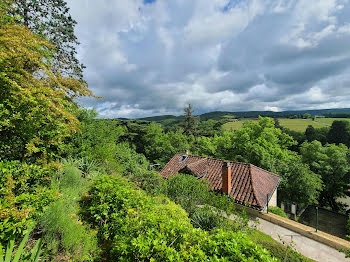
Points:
[(248, 185)]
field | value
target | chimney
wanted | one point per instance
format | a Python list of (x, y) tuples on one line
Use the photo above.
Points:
[(226, 177), (186, 153)]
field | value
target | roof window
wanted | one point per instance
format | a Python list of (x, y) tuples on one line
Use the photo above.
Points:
[(182, 158)]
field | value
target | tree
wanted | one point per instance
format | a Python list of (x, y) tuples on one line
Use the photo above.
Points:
[(306, 116), (160, 147), (339, 133), (51, 20), (190, 124), (265, 146), (310, 133), (331, 162), (36, 102)]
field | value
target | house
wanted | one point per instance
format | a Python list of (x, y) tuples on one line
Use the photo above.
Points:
[(249, 185)]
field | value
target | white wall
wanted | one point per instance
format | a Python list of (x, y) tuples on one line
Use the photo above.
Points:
[(273, 200)]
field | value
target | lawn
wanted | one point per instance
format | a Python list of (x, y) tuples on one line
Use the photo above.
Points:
[(293, 124)]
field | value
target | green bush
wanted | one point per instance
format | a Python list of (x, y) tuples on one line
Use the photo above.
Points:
[(135, 227), (61, 228), (25, 191), (205, 218), (277, 211), (189, 192)]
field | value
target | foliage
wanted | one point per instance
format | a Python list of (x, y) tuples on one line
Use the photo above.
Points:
[(36, 104), (210, 127), (299, 184), (277, 211), (24, 192), (61, 228), (205, 218), (263, 145), (160, 147), (339, 133), (331, 162), (187, 191), (192, 194), (20, 255), (133, 226), (190, 125), (277, 249), (51, 20)]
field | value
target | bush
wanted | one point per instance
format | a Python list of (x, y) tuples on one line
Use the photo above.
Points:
[(205, 218), (278, 211), (61, 228), (189, 192), (25, 191), (135, 227)]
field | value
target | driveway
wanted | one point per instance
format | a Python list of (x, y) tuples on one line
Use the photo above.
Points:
[(306, 246)]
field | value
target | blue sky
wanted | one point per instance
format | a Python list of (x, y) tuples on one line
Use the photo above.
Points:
[(152, 57)]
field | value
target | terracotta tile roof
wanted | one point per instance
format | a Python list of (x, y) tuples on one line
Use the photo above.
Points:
[(249, 184)]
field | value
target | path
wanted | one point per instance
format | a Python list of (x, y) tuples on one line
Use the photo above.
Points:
[(306, 246)]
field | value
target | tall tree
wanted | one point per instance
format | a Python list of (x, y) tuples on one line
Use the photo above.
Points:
[(339, 133), (310, 133), (190, 124), (263, 145), (51, 20), (36, 103), (331, 162)]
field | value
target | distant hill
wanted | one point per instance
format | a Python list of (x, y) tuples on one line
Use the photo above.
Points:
[(217, 115)]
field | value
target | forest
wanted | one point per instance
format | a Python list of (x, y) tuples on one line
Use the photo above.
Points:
[(74, 187)]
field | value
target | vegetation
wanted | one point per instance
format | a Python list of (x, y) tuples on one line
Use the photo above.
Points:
[(51, 20), (277, 211), (276, 249), (133, 226), (88, 188)]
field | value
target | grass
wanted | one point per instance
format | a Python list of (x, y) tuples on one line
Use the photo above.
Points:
[(293, 124), (275, 248)]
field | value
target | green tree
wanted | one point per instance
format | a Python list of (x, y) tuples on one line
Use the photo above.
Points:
[(36, 103), (190, 125), (265, 146), (339, 133), (331, 162), (310, 133), (51, 20), (160, 147)]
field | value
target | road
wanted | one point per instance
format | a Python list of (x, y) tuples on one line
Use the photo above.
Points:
[(306, 246)]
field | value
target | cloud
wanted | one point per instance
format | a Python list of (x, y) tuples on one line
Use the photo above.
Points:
[(154, 57)]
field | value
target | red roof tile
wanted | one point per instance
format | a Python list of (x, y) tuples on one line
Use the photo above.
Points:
[(249, 184)]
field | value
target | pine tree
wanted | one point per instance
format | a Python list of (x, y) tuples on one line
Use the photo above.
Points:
[(190, 124)]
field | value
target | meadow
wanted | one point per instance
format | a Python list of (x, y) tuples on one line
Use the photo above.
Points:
[(293, 124)]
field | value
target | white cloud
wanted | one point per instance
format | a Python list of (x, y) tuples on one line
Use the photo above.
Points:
[(148, 59)]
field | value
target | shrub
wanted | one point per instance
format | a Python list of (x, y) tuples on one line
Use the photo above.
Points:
[(135, 227), (24, 192), (278, 211), (205, 218), (189, 192), (61, 228)]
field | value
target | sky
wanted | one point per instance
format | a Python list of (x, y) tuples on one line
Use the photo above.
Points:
[(153, 57)]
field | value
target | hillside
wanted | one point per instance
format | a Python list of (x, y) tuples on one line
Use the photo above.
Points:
[(217, 115)]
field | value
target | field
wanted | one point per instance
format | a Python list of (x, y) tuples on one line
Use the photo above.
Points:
[(293, 124)]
